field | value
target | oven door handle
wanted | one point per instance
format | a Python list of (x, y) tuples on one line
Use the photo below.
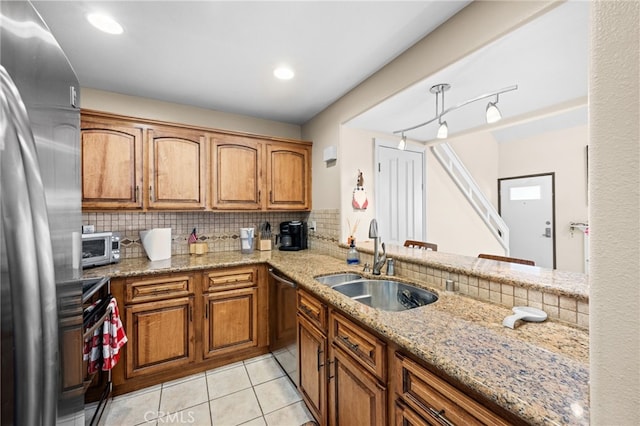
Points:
[(281, 280), (89, 332)]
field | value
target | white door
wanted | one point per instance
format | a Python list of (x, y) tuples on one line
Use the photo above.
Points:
[(399, 194), (527, 207)]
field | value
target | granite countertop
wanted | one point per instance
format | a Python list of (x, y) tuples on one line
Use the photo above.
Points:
[(539, 371)]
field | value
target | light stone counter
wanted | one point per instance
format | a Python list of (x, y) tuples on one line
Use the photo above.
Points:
[(539, 371)]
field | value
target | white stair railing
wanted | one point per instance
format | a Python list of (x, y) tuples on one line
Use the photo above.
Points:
[(461, 176)]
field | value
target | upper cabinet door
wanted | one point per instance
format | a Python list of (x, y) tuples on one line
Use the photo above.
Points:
[(236, 173), (176, 178), (111, 165), (288, 177)]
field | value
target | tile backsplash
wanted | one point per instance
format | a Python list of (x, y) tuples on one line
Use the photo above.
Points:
[(219, 230)]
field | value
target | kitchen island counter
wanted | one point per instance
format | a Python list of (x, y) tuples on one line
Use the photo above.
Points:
[(538, 371)]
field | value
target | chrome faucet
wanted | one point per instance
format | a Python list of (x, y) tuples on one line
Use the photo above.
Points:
[(378, 260)]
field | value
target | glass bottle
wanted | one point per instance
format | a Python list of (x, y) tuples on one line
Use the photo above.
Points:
[(353, 257)]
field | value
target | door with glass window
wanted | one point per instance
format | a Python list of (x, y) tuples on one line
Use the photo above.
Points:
[(527, 206)]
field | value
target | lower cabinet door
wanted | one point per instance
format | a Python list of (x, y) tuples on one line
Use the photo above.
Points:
[(230, 321), (160, 335), (355, 396), (312, 355)]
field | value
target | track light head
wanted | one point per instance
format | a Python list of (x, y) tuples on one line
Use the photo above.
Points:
[(493, 113), (403, 143), (443, 131)]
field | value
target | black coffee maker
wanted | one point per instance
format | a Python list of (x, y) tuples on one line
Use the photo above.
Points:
[(293, 235)]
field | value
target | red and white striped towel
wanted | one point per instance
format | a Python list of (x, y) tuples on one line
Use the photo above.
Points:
[(113, 338), (103, 348)]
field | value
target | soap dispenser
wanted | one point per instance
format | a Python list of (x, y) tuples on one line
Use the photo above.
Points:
[(353, 257)]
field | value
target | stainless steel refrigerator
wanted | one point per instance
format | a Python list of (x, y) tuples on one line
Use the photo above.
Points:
[(41, 223)]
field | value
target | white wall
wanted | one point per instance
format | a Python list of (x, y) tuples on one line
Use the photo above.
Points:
[(356, 152), (452, 222), (473, 27), (614, 164), (562, 152), (165, 111)]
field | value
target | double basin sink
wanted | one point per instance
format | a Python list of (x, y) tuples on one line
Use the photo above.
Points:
[(387, 295)]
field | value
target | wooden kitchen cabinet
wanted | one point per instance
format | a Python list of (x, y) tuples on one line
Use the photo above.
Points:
[(159, 323), (236, 176), (256, 174), (112, 175), (235, 311), (346, 385), (288, 176), (176, 172), (312, 354), (184, 323), (424, 396), (355, 396), (357, 381), (139, 164)]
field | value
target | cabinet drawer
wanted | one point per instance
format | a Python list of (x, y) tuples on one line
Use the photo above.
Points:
[(366, 348), (313, 310), (230, 279), (164, 287), (405, 416), (435, 399)]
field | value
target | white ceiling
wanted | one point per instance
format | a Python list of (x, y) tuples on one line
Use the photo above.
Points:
[(221, 54), (548, 59)]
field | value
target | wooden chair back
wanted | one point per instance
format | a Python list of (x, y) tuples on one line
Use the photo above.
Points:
[(421, 245), (507, 259)]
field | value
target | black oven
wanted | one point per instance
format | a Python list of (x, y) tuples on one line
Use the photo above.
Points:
[(96, 299)]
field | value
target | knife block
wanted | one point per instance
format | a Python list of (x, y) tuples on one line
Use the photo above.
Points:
[(198, 248), (264, 245)]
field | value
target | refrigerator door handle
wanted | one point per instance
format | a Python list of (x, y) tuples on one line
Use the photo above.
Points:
[(32, 275)]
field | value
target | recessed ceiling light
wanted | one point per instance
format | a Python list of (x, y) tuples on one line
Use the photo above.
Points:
[(104, 23), (283, 73)]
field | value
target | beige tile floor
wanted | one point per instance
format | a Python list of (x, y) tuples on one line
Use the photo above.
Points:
[(252, 392)]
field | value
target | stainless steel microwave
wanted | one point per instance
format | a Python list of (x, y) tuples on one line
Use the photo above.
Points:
[(100, 248)]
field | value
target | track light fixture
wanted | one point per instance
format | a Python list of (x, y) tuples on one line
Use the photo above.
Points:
[(403, 143), (492, 113)]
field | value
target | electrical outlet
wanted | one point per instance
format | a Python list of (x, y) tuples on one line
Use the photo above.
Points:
[(88, 229), (313, 225)]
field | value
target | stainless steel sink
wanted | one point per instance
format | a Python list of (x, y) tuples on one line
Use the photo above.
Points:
[(338, 278), (386, 295)]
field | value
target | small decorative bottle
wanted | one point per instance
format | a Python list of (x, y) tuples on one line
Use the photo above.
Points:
[(353, 257)]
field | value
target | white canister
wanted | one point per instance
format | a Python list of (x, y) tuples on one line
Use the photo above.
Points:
[(246, 240)]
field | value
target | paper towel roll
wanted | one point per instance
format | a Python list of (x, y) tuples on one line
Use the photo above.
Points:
[(157, 243)]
